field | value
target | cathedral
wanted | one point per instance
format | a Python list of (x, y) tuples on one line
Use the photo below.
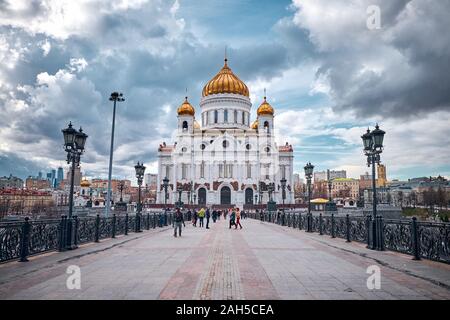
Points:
[(221, 158)]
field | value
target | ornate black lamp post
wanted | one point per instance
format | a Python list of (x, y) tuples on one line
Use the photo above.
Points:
[(373, 147), (180, 191), (271, 205), (283, 190), (121, 186), (140, 169), (115, 97), (74, 142), (330, 206), (165, 186), (309, 168)]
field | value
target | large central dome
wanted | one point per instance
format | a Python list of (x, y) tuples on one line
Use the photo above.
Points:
[(225, 82)]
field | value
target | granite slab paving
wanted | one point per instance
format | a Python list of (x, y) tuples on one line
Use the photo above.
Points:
[(262, 261)]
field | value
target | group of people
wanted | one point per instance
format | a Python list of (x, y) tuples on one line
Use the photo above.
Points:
[(200, 215)]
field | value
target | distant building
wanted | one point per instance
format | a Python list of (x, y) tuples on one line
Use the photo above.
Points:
[(11, 182), (345, 188), (334, 174), (13, 201), (151, 181), (381, 179), (59, 176), (77, 176), (36, 183)]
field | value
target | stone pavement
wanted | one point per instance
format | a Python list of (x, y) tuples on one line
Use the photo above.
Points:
[(261, 261)]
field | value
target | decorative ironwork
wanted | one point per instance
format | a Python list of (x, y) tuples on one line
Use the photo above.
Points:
[(358, 229), (86, 230), (434, 241), (44, 236), (10, 235), (397, 235)]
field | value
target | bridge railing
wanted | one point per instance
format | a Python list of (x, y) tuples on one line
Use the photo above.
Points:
[(426, 240), (21, 239)]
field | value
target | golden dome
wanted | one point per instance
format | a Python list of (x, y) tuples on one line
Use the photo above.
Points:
[(196, 125), (85, 183), (225, 82), (255, 124), (265, 109), (186, 109)]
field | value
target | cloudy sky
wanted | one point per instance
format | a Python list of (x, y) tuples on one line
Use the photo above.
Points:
[(327, 75)]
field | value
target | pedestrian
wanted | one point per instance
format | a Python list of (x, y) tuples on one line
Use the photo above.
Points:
[(261, 215), (238, 219), (208, 216), (214, 216), (178, 220), (232, 218), (189, 215), (201, 217), (194, 218)]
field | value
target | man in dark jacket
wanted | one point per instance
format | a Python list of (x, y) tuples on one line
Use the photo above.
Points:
[(208, 215), (177, 221)]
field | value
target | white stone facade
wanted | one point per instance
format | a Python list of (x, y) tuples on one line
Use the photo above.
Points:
[(223, 161)]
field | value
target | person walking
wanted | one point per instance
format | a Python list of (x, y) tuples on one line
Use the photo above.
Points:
[(189, 215), (232, 218), (208, 216), (194, 218), (177, 221), (201, 217), (238, 219), (214, 216)]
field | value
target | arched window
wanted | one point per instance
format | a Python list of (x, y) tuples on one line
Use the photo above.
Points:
[(225, 116), (225, 195), (249, 196), (235, 116), (202, 196), (243, 117), (266, 126), (185, 126), (216, 116)]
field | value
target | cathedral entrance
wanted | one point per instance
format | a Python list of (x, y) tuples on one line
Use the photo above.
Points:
[(225, 195), (249, 196), (202, 196)]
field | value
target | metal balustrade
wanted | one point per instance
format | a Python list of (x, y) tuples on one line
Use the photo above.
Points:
[(21, 239), (426, 240)]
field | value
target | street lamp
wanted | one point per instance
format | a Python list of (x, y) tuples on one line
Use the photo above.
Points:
[(115, 97), (373, 147), (165, 185), (256, 199), (309, 168), (283, 190), (140, 169), (74, 142), (180, 190)]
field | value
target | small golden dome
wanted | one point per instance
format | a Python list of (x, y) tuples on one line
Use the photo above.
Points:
[(186, 109), (196, 125), (265, 109), (255, 124), (85, 183), (225, 82)]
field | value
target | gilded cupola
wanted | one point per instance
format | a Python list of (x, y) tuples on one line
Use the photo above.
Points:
[(186, 109), (225, 82), (265, 108)]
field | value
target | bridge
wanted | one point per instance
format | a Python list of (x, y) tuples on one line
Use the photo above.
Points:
[(270, 258)]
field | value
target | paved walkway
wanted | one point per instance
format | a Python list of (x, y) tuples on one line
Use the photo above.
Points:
[(261, 261)]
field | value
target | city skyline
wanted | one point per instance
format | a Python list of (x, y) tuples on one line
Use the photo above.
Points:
[(53, 71)]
